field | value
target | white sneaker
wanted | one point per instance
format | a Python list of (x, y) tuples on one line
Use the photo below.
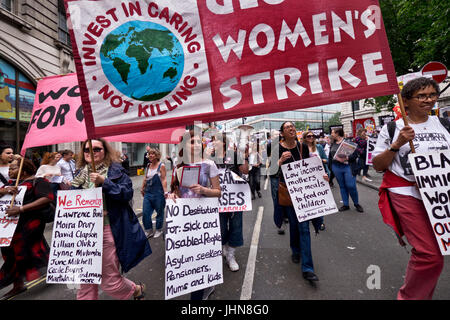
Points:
[(149, 233), (158, 233), (224, 251), (231, 261), (207, 292), (366, 179)]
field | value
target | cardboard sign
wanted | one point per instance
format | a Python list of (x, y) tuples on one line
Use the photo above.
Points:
[(193, 246), (432, 174), (8, 224), (310, 193), (235, 192), (77, 240), (154, 64)]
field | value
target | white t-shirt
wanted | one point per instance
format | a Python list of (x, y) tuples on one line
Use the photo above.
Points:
[(429, 136), (4, 171), (67, 169)]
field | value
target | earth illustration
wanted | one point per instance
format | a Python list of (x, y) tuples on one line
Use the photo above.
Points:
[(143, 60)]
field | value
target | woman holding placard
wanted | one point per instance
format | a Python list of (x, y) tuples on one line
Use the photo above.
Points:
[(343, 172), (292, 150), (124, 241), (400, 202), (206, 182), (27, 256), (153, 189)]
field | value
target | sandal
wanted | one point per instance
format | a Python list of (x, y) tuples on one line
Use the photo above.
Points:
[(142, 295)]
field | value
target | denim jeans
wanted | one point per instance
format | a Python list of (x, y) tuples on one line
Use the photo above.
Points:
[(347, 183), (231, 228), (300, 239)]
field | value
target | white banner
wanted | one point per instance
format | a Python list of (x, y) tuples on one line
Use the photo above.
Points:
[(193, 246), (77, 240), (432, 173), (8, 224), (310, 193), (235, 192)]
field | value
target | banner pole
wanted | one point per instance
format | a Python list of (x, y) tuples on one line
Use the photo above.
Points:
[(91, 152), (405, 120), (17, 180)]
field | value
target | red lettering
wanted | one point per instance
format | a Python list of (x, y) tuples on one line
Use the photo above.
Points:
[(94, 29)]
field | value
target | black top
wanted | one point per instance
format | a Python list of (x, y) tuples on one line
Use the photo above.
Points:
[(295, 155)]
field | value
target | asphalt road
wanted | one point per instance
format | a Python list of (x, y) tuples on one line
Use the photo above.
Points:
[(348, 255)]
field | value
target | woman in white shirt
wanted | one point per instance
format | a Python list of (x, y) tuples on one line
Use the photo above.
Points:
[(6, 157), (50, 171), (400, 202)]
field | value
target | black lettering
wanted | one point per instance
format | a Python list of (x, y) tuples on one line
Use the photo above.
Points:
[(61, 115), (80, 114), (421, 160), (74, 92), (41, 124), (55, 96)]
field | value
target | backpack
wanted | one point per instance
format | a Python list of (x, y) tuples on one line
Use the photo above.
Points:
[(392, 125)]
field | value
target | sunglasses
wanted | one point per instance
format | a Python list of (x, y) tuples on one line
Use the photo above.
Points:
[(96, 150), (309, 136)]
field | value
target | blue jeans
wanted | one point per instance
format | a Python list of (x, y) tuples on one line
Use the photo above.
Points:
[(300, 239), (231, 228), (151, 203), (347, 182)]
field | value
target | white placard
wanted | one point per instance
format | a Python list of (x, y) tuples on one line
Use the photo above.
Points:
[(193, 246), (8, 224), (235, 192), (310, 192), (432, 173), (190, 175), (77, 240), (371, 143)]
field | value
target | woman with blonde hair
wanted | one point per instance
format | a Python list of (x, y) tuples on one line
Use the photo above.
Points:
[(153, 189), (50, 170)]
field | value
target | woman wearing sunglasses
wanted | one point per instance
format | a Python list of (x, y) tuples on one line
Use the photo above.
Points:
[(124, 241)]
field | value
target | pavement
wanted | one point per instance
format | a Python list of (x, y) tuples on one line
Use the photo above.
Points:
[(376, 177)]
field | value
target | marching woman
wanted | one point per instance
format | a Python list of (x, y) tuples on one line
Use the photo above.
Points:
[(6, 157), (27, 255), (153, 189), (124, 241), (291, 150), (208, 186), (400, 202), (50, 170)]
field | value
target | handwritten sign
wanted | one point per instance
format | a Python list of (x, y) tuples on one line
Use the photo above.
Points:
[(432, 173), (77, 241), (8, 224), (310, 193), (371, 143), (193, 246), (235, 192)]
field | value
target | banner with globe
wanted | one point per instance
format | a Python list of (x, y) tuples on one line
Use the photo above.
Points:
[(145, 65)]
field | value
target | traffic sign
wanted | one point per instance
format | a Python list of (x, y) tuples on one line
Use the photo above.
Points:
[(438, 71)]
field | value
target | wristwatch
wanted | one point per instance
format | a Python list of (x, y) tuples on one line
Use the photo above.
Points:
[(393, 149)]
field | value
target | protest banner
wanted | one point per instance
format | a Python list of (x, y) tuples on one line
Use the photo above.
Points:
[(310, 194), (152, 64), (235, 192), (366, 123), (193, 246), (8, 224), (57, 117), (371, 143), (77, 238), (432, 174)]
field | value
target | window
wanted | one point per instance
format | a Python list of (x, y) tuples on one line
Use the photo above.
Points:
[(7, 4), (63, 31)]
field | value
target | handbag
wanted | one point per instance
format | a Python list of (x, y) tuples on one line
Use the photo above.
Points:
[(284, 198)]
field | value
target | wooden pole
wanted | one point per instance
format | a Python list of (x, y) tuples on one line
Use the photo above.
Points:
[(91, 152), (17, 181), (405, 120)]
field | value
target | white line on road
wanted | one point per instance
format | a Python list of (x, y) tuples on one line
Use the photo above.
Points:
[(265, 183), (247, 286)]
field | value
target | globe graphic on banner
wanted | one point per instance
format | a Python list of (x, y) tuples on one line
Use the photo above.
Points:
[(143, 60)]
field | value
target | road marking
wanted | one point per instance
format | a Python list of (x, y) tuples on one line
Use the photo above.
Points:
[(247, 286), (265, 183)]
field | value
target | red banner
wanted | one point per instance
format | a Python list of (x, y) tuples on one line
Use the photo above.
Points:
[(145, 65)]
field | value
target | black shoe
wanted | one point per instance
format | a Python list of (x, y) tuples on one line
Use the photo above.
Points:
[(359, 208), (295, 258), (344, 208), (259, 194), (253, 197), (310, 276)]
